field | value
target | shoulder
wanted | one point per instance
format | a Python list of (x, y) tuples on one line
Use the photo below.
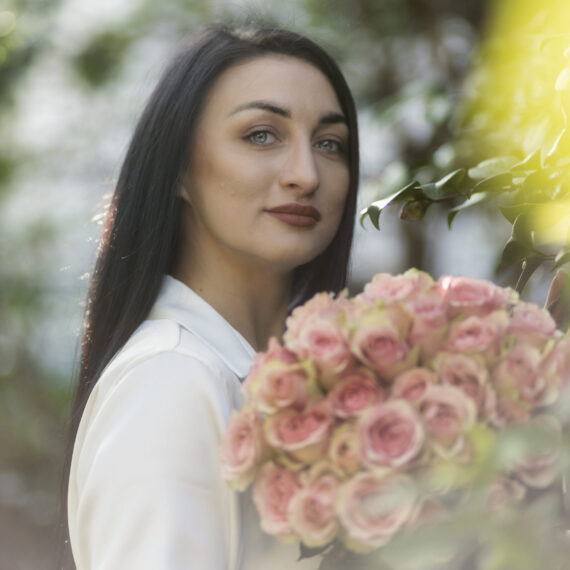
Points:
[(165, 345), (163, 362)]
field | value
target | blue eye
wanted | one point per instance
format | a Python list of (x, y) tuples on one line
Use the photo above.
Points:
[(261, 138), (331, 145)]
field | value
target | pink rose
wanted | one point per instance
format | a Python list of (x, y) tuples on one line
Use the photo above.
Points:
[(430, 322), (390, 434), (556, 365), (540, 469), (373, 506), (392, 288), (470, 374), (315, 331), (312, 511), (278, 380), (520, 384), (302, 434), (532, 323), (281, 386), (274, 352), (503, 493), (344, 448), (447, 413), (358, 389), (478, 334), (272, 492), (243, 448), (379, 341), (471, 296), (322, 305), (412, 384)]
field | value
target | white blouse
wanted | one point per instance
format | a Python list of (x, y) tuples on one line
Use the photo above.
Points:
[(145, 488)]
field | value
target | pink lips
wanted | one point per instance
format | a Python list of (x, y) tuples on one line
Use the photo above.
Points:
[(296, 214)]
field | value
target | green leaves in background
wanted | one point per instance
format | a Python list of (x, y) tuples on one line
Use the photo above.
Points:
[(416, 198), (100, 60), (520, 189)]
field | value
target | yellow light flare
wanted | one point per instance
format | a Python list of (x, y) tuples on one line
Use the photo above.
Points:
[(517, 102)]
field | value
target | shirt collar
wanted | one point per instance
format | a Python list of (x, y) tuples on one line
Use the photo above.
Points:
[(179, 303)]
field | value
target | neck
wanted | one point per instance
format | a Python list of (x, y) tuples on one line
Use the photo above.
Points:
[(253, 300)]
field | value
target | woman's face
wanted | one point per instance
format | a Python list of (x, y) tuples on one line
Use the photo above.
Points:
[(269, 174)]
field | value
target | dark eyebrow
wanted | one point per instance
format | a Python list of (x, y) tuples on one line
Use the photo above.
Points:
[(333, 118), (328, 119), (264, 106)]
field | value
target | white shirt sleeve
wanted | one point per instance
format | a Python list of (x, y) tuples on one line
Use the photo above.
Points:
[(149, 489)]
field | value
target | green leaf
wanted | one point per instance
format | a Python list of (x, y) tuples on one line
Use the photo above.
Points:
[(549, 151), (449, 187), (452, 181), (562, 257), (513, 252), (492, 167), (469, 203), (308, 552), (530, 162), (414, 210), (496, 183), (373, 212), (405, 193), (511, 212), (408, 192), (522, 232)]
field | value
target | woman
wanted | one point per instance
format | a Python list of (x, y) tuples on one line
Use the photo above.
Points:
[(235, 201)]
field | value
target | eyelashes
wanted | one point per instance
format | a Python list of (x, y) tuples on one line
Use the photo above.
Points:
[(265, 137), (261, 137)]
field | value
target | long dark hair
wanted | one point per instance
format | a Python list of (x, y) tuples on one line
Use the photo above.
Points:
[(142, 230)]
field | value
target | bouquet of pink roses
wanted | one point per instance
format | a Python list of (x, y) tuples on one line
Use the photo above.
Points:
[(375, 409)]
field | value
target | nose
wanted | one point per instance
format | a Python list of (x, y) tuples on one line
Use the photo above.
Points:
[(299, 171)]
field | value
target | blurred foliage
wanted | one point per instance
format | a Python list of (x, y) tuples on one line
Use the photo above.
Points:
[(21, 40), (99, 61), (511, 146)]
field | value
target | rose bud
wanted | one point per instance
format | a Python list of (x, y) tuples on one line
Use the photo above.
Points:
[(379, 341), (312, 511), (411, 384), (372, 506), (470, 374), (430, 323), (531, 324), (447, 413), (469, 296), (272, 491), (393, 288), (243, 448), (344, 448), (478, 334), (519, 380), (391, 434), (357, 389), (278, 379), (316, 331), (302, 434)]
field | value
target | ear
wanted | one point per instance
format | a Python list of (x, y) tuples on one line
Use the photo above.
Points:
[(185, 194)]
